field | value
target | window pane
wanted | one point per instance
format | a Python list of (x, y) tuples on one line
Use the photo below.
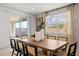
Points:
[(62, 23), (17, 25), (52, 22), (24, 28), (57, 24), (24, 24)]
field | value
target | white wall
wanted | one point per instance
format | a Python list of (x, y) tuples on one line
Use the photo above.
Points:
[(4, 30)]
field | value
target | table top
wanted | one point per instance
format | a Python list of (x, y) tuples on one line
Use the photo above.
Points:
[(48, 44)]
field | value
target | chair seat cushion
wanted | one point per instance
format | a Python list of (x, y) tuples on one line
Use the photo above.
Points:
[(31, 51), (60, 53)]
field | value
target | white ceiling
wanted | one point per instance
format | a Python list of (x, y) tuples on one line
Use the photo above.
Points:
[(28, 7)]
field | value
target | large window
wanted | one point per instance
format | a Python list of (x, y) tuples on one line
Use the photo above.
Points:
[(21, 28), (57, 24)]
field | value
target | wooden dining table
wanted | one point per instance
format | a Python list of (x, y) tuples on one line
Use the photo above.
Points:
[(47, 44)]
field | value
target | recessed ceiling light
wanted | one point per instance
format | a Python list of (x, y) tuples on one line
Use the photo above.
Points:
[(33, 8)]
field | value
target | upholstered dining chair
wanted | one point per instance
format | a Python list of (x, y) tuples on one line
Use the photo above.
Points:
[(21, 48), (63, 39), (71, 50), (30, 49), (13, 46)]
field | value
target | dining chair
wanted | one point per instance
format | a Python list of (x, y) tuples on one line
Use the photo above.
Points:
[(51, 37), (72, 52), (21, 48), (13, 46), (30, 49), (63, 39)]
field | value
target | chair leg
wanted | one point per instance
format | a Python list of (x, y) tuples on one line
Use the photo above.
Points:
[(20, 54), (17, 53), (12, 52), (51, 53), (65, 50), (24, 54)]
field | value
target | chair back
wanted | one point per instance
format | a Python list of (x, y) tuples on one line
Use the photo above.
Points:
[(70, 51), (21, 47), (33, 46), (62, 38), (13, 43)]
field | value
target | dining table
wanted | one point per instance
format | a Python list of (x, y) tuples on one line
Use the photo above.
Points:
[(47, 44)]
